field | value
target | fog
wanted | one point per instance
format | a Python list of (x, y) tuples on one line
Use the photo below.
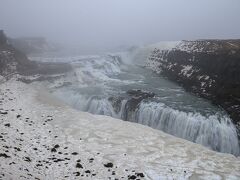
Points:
[(101, 25)]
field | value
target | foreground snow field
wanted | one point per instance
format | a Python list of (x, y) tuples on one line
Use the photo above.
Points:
[(42, 138)]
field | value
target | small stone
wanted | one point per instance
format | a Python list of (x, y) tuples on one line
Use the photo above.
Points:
[(27, 159), (140, 174), (18, 149), (53, 150), (132, 177), (77, 173), (56, 146), (4, 155), (87, 171), (7, 125), (108, 165), (78, 165)]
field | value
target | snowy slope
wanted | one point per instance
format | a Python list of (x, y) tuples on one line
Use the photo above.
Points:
[(29, 147)]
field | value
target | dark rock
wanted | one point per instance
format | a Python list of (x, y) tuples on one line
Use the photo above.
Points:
[(108, 165), (78, 165), (91, 160), (140, 174), (58, 160), (4, 155), (87, 171), (27, 159), (56, 146), (3, 112), (18, 149), (132, 177), (7, 125), (39, 165), (77, 173), (53, 150), (136, 96)]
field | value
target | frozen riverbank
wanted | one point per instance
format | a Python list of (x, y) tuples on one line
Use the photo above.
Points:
[(42, 138)]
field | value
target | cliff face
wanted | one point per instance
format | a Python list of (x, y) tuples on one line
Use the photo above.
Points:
[(12, 60), (208, 68)]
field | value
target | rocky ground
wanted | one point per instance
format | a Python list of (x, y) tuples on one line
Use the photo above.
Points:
[(208, 68), (31, 148), (41, 138)]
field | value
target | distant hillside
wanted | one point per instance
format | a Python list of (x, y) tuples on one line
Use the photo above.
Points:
[(11, 59), (14, 61), (32, 45)]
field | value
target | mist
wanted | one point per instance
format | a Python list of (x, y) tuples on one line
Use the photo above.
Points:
[(96, 26)]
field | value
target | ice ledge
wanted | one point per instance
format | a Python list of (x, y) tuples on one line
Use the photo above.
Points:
[(132, 148)]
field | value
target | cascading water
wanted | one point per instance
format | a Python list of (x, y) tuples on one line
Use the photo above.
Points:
[(100, 85), (212, 131)]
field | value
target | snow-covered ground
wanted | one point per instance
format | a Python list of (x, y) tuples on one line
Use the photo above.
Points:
[(43, 138)]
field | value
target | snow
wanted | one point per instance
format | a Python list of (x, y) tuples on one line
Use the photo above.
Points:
[(127, 145), (187, 70), (231, 44)]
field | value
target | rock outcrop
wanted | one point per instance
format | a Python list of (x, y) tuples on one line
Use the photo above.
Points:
[(13, 61), (208, 68)]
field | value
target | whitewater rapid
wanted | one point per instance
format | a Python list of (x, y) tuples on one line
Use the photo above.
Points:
[(99, 85)]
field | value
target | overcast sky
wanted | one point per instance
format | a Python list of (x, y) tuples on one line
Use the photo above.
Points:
[(102, 24)]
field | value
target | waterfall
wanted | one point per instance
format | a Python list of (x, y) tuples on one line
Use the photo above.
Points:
[(212, 131), (216, 132), (99, 85)]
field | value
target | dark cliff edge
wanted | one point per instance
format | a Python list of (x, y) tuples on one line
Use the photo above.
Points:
[(207, 68), (13, 61)]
